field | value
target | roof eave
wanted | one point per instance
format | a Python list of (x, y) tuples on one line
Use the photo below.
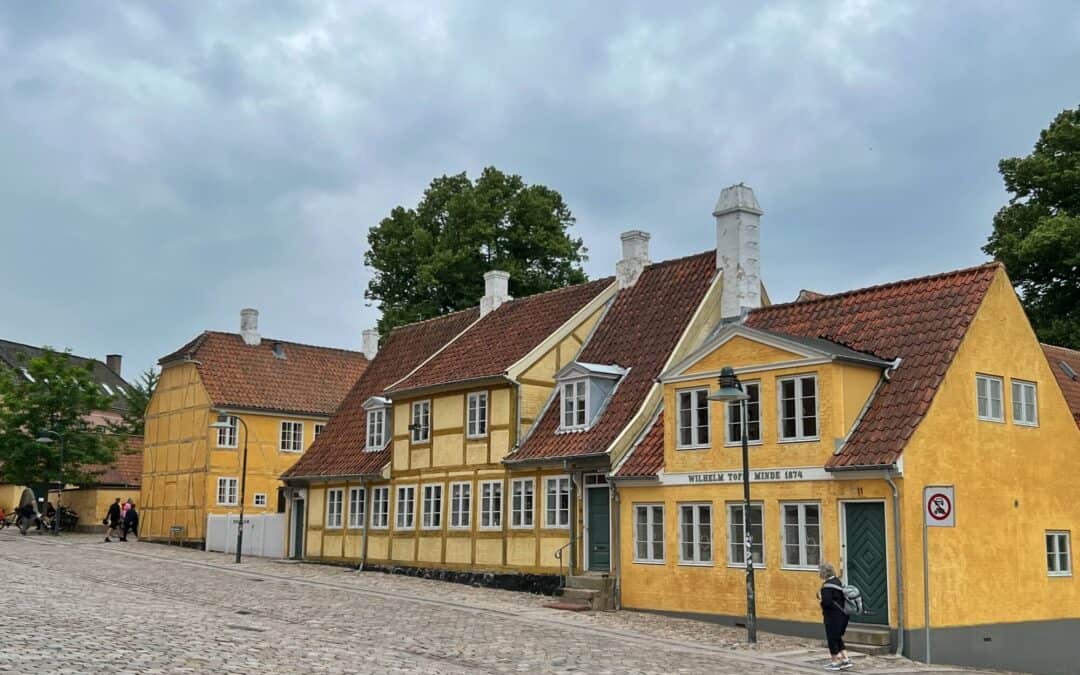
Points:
[(413, 392), (559, 460)]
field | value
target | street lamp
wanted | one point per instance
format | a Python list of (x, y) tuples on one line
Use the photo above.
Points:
[(731, 390), (223, 423), (46, 438)]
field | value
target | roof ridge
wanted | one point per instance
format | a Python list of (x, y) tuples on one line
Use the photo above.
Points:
[(58, 351), (888, 284), (286, 342), (433, 318), (560, 289), (1066, 349), (672, 261)]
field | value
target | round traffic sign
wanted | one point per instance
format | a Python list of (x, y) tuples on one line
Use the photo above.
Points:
[(939, 506)]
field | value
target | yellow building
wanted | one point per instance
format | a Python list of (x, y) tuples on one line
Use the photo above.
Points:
[(858, 403), (280, 393)]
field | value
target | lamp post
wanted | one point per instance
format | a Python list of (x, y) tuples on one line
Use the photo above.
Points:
[(731, 390), (223, 423), (46, 438)]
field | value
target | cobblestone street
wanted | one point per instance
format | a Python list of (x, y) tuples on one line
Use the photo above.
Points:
[(77, 605)]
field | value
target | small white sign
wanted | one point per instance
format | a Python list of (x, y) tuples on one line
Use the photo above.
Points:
[(939, 506)]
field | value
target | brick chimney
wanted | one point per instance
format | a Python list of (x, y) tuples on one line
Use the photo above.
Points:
[(249, 327), (635, 257), (738, 250), (496, 291), (370, 344), (113, 362)]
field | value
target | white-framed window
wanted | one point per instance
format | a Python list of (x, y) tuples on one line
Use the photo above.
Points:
[(380, 507), (319, 429), (357, 503), (405, 509), (260, 499), (798, 408), (334, 504), (491, 505), (575, 404), (988, 394), (736, 535), (649, 533), (421, 421), (1058, 554), (460, 505), (753, 416), (695, 534), (477, 414), (227, 489), (432, 517), (693, 420), (1025, 404), (227, 438), (557, 501), (521, 503), (801, 534), (376, 429), (292, 436)]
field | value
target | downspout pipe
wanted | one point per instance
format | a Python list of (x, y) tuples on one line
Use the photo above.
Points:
[(367, 524), (616, 549), (897, 539)]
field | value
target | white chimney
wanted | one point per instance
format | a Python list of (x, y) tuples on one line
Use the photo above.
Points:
[(738, 250), (370, 343), (249, 327), (635, 257), (496, 291)]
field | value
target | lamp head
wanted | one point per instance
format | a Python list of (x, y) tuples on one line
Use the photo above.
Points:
[(730, 387), (222, 421)]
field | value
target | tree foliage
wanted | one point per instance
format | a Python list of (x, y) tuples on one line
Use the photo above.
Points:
[(1037, 235), (429, 260), (56, 396), (137, 397)]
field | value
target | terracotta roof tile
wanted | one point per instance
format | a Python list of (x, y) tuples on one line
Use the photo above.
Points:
[(920, 320), (126, 470), (647, 457), (639, 333), (503, 336), (1069, 383), (339, 449), (309, 380)]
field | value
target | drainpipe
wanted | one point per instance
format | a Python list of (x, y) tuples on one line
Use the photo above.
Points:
[(615, 548), (573, 518), (367, 525), (897, 537)]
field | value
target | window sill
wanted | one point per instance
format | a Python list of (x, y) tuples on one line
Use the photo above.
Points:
[(1029, 425), (490, 528), (992, 419), (1059, 575), (419, 445), (653, 562), (358, 528), (808, 439), (226, 447), (686, 563), (790, 568), (431, 528), (381, 528), (333, 527), (738, 444), (693, 447), (481, 437), (291, 452), (459, 528), (522, 528), (742, 566)]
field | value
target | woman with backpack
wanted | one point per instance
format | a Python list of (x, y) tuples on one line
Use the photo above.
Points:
[(836, 619)]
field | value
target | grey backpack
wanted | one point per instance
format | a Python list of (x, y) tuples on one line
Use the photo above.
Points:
[(853, 600)]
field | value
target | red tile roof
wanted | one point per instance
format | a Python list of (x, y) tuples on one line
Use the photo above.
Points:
[(920, 320), (308, 380), (503, 336), (1070, 384), (125, 471), (339, 449), (647, 457), (639, 333)]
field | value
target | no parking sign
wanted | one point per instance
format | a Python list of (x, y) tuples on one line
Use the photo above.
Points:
[(939, 506)]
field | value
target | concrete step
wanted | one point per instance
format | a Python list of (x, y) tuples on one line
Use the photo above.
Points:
[(585, 595), (596, 583), (869, 650), (868, 635), (568, 606)]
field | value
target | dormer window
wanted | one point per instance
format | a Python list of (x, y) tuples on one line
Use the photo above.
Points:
[(378, 416), (584, 390)]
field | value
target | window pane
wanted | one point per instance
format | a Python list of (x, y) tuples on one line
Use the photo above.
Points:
[(702, 419), (705, 533), (658, 532)]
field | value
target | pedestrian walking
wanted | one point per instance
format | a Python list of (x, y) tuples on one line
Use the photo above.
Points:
[(836, 619), (27, 515), (131, 521), (113, 519)]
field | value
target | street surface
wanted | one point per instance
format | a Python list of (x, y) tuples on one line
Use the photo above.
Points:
[(77, 605)]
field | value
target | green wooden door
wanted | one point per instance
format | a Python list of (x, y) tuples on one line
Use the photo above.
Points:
[(599, 530), (867, 567)]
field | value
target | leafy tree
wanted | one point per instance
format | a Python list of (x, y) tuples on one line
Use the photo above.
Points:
[(429, 260), (57, 396), (1037, 236), (137, 397)]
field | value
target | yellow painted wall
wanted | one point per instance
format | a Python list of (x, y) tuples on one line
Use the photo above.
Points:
[(182, 463), (92, 504), (1012, 484)]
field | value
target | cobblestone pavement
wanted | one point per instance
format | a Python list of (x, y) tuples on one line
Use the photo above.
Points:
[(76, 605)]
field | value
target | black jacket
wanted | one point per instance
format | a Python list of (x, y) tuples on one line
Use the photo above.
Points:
[(114, 514), (832, 599), (131, 517)]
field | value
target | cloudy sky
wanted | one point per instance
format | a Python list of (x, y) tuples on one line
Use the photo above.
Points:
[(164, 164)]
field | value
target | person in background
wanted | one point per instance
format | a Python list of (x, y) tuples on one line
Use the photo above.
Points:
[(836, 620), (131, 520), (113, 519), (3, 518)]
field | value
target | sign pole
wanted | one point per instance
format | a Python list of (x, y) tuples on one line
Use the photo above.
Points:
[(939, 510), (926, 588)]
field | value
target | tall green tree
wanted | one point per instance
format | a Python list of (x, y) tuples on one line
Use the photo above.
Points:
[(1037, 235), (57, 395), (137, 397), (429, 260)]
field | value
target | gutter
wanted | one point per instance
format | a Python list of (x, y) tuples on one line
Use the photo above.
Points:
[(556, 461)]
